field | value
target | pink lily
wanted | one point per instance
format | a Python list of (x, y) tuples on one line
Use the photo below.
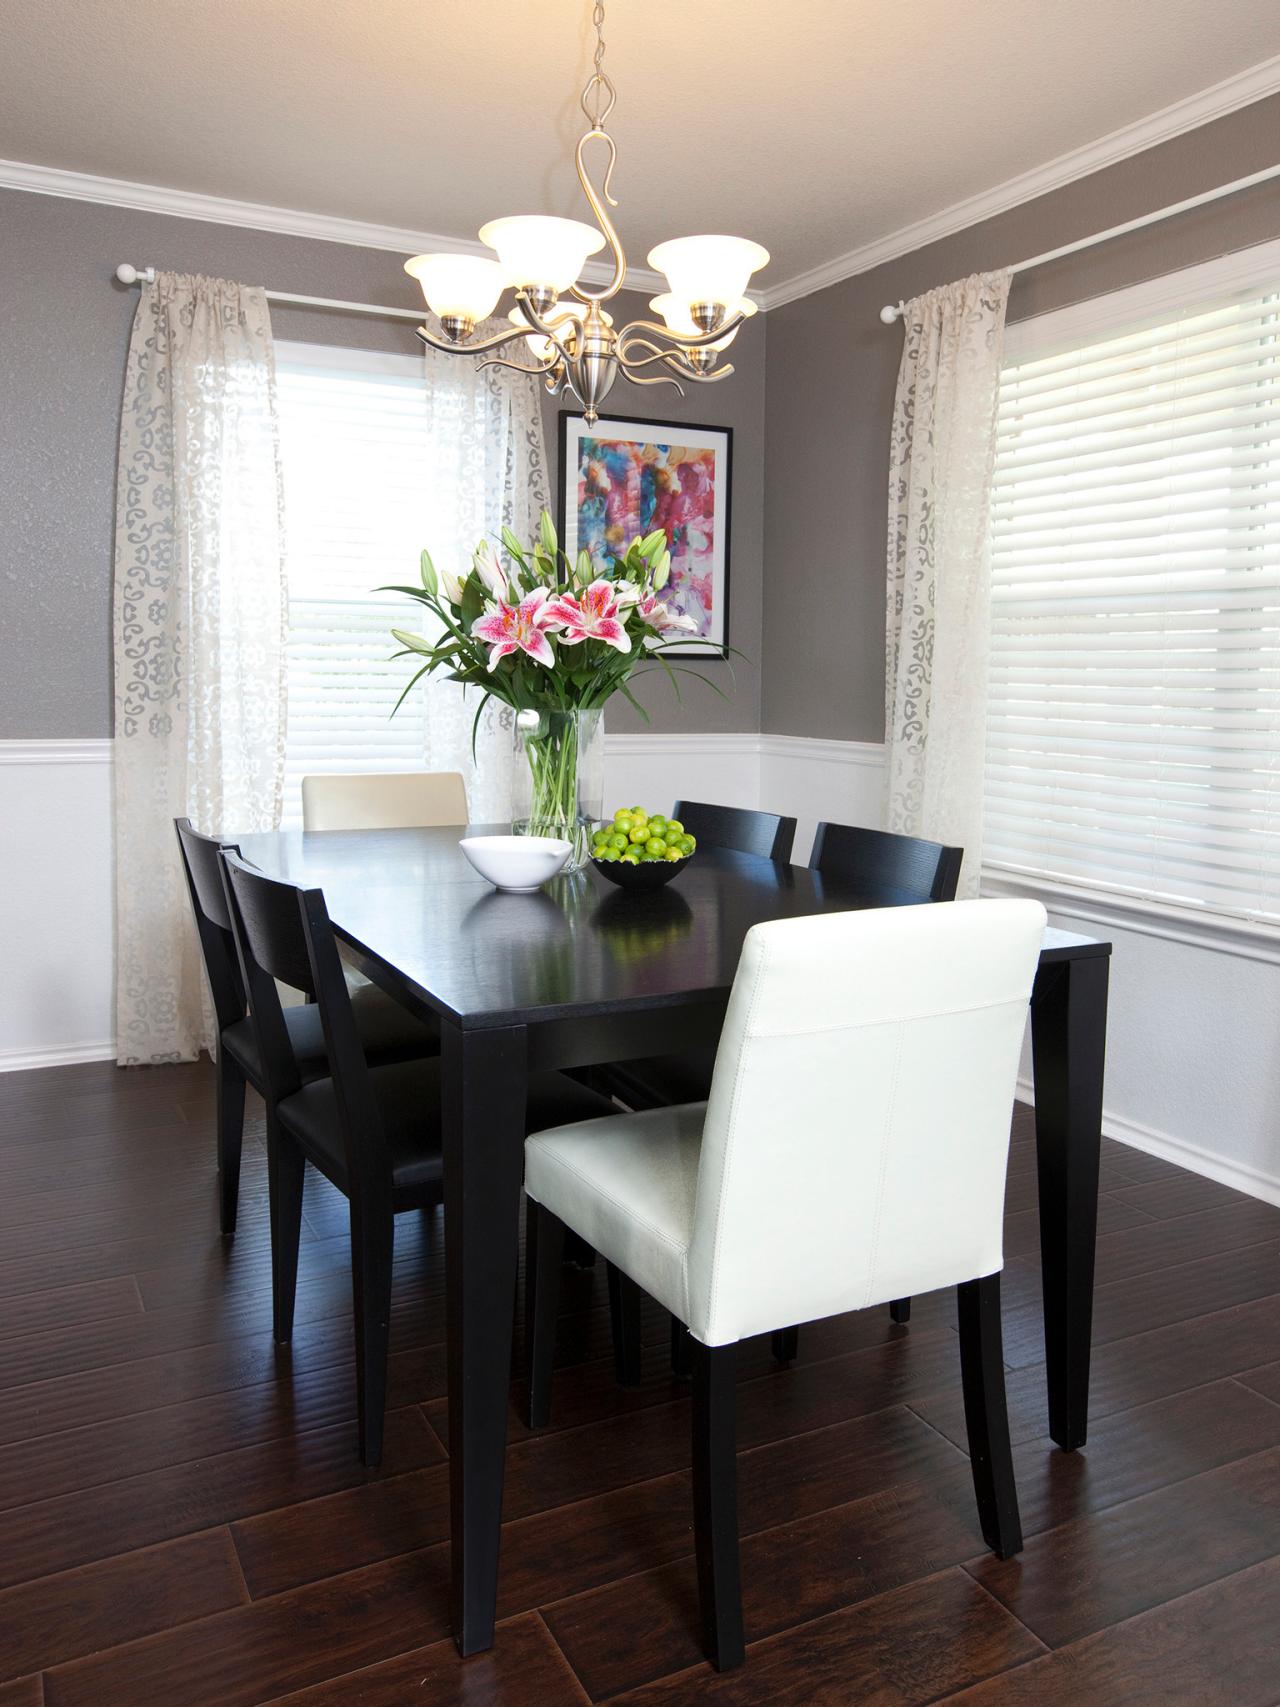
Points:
[(661, 618), (593, 615), (517, 628), (490, 571)]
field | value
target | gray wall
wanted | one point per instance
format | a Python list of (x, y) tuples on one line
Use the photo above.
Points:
[(833, 367), (63, 340)]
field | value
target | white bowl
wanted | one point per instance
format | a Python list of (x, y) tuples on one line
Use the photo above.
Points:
[(520, 863)]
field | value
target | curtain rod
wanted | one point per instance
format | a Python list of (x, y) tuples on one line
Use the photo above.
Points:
[(147, 275), (891, 312)]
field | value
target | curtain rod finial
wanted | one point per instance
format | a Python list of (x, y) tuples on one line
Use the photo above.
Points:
[(891, 312), (128, 274)]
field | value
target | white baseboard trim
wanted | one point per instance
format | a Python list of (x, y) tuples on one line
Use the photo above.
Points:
[(56, 1055), (1253, 1182), (88, 751)]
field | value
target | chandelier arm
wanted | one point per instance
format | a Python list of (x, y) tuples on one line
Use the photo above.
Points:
[(597, 200), (654, 379), (519, 367), (539, 325), (686, 340), (493, 343), (711, 375)]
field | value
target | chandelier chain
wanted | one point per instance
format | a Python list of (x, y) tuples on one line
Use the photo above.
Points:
[(599, 96)]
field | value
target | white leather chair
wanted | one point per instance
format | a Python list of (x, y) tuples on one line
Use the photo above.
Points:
[(853, 1151), (407, 800)]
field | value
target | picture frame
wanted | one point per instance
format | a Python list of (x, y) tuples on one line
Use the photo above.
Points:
[(627, 475)]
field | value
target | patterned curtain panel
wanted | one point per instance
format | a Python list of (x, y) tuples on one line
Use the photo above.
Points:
[(939, 583), (199, 631), (488, 460)]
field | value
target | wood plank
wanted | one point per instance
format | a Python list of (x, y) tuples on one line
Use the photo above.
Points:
[(884, 1652), (1264, 1380), (804, 1472), (26, 1692), (1131, 1371), (1185, 1194), (1022, 1227), (259, 1652), (639, 1628), (86, 1303), (61, 1617), (524, 1668), (57, 1534), (1148, 1550), (1216, 1647), (1142, 1250)]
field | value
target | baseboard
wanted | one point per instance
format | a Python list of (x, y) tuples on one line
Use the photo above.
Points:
[(55, 1055), (1238, 1175)]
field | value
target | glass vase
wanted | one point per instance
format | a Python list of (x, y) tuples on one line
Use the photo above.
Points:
[(558, 789)]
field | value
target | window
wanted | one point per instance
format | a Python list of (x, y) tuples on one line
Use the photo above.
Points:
[(1133, 735), (354, 451)]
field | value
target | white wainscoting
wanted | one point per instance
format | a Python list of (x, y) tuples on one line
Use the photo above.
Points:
[(56, 903)]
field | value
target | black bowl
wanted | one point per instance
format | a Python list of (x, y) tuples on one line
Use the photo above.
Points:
[(648, 874)]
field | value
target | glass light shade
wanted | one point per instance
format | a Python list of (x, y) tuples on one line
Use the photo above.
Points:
[(537, 251), (675, 311), (462, 287), (708, 269)]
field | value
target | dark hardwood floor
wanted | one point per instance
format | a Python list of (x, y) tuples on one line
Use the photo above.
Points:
[(183, 1520)]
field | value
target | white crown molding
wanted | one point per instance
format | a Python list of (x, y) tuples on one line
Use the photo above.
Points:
[(1254, 84), (259, 216), (56, 752)]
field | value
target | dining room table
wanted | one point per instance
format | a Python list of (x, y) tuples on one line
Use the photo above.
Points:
[(582, 973)]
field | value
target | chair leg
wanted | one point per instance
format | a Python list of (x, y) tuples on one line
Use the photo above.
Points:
[(785, 1344), (577, 1250), (681, 1367), (230, 1118), (986, 1415), (286, 1173), (544, 1253), (900, 1310), (372, 1245), (624, 1318), (715, 1503)]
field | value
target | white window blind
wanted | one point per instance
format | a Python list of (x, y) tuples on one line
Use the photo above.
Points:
[(1133, 732), (358, 511)]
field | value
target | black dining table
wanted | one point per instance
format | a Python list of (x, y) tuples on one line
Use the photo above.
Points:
[(582, 973)]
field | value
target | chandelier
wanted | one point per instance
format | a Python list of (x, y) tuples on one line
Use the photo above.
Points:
[(573, 341)]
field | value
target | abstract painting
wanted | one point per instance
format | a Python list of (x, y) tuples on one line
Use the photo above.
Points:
[(623, 478)]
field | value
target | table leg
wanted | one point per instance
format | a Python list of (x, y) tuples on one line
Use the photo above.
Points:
[(484, 1078), (1068, 1040)]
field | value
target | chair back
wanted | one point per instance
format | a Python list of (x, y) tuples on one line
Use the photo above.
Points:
[(203, 871), (857, 1135), (876, 860), (410, 800), (283, 932), (762, 833)]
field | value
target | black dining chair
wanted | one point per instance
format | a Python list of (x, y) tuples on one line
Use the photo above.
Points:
[(373, 1131), (387, 1031), (894, 869), (766, 834)]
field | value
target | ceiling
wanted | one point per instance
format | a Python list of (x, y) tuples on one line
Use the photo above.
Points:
[(815, 126)]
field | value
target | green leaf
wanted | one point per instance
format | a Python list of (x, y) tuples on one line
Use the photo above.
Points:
[(430, 580), (626, 693), (472, 601), (413, 680)]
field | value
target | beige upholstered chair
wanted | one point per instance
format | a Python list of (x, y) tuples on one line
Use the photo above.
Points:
[(853, 1151), (407, 800)]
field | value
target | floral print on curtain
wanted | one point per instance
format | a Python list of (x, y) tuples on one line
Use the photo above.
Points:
[(487, 453), (199, 631), (942, 458)]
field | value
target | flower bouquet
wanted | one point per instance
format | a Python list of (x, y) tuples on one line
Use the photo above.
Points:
[(554, 640)]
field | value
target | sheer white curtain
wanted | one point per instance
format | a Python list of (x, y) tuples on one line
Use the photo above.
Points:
[(487, 463), (199, 630), (942, 459)]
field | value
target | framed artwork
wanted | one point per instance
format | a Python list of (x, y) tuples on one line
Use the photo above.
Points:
[(624, 477)]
